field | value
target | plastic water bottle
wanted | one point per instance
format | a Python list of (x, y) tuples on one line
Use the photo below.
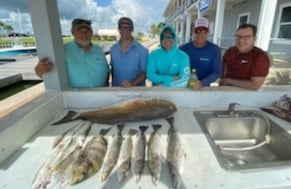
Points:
[(193, 78)]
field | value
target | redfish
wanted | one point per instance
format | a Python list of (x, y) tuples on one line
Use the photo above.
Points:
[(126, 111)]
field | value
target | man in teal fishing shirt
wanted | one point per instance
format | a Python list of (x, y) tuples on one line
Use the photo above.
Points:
[(86, 63)]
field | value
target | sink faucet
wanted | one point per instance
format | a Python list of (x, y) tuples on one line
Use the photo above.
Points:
[(231, 108)]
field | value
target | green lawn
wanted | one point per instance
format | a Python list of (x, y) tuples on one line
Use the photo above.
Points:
[(29, 41)]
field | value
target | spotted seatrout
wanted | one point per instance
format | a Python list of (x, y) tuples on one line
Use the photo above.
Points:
[(175, 154), (125, 156), (112, 154), (138, 154), (89, 160), (126, 111), (154, 154)]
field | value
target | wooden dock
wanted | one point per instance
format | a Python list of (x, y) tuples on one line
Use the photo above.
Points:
[(20, 69), (13, 71)]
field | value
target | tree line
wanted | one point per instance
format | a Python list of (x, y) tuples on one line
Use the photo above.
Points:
[(6, 27)]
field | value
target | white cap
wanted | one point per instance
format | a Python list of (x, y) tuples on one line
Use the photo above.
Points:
[(202, 23)]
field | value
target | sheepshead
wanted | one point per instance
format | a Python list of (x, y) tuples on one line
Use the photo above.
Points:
[(125, 155), (175, 154), (138, 154), (126, 111), (71, 141), (89, 160), (154, 154), (112, 154)]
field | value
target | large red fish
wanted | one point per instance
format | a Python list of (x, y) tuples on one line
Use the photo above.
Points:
[(126, 111)]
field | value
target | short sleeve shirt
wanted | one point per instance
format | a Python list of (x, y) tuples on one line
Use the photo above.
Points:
[(244, 66), (128, 65), (86, 69)]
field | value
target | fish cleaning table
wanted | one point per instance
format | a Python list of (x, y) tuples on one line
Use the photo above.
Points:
[(26, 138)]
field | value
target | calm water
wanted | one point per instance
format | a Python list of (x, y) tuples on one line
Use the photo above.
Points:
[(12, 52), (15, 88)]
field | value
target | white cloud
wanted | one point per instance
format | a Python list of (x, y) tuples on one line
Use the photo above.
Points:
[(143, 13)]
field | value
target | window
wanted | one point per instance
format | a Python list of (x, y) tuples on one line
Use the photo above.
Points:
[(243, 19), (285, 23)]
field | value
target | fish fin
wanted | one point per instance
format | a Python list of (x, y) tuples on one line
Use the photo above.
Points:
[(156, 126), (71, 116), (104, 131), (143, 128)]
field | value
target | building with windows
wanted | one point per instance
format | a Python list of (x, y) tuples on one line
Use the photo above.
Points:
[(272, 17)]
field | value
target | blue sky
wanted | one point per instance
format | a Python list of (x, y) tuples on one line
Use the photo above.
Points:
[(103, 3), (103, 13)]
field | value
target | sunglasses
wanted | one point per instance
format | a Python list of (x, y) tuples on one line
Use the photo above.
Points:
[(125, 28), (164, 37), (201, 31)]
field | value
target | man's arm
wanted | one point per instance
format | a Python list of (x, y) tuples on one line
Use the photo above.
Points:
[(253, 83)]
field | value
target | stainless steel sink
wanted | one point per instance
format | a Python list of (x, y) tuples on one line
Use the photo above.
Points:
[(246, 139)]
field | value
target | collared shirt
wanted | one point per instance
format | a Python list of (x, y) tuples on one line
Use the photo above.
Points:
[(86, 69), (254, 63), (128, 65)]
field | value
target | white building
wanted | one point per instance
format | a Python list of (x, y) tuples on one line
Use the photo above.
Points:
[(272, 17)]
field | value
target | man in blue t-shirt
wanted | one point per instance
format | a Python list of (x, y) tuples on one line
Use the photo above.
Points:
[(128, 58), (204, 56), (86, 62)]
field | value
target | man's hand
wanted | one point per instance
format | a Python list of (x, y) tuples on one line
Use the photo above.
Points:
[(44, 65)]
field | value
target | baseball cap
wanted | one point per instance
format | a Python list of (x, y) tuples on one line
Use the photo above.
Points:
[(125, 21), (78, 23), (202, 23)]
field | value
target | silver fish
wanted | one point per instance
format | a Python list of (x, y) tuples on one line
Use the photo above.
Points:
[(138, 154), (126, 111), (175, 154), (125, 156), (112, 154), (89, 160), (154, 154)]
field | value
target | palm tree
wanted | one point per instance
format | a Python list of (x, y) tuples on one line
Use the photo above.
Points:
[(8, 28)]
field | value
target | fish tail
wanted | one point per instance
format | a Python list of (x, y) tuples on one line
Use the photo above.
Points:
[(120, 127), (143, 128), (170, 120), (71, 116), (132, 132), (104, 131), (156, 126)]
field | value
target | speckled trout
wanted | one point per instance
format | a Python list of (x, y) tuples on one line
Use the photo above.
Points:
[(125, 155), (154, 154), (138, 154), (175, 154), (126, 111), (89, 160), (112, 154)]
